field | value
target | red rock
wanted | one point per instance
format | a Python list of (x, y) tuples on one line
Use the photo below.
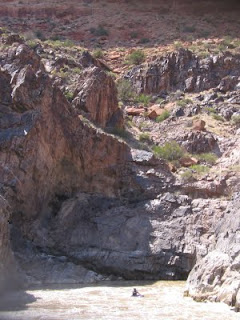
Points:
[(131, 111), (199, 125), (188, 161)]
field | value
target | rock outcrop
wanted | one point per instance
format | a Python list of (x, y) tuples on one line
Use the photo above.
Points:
[(78, 205), (96, 98), (185, 71), (216, 276)]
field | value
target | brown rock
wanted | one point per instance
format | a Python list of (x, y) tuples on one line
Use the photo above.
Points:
[(199, 125), (155, 111), (188, 161), (96, 98), (131, 111)]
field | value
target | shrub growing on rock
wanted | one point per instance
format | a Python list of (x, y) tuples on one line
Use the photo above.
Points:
[(136, 57), (209, 158), (125, 90), (144, 99), (170, 151), (163, 116), (236, 120), (144, 137)]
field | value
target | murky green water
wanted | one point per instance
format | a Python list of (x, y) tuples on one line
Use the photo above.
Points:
[(110, 301)]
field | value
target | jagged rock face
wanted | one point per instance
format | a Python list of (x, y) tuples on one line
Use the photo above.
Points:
[(185, 71), (96, 97), (46, 150), (216, 277), (198, 141)]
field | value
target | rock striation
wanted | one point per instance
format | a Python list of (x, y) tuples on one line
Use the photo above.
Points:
[(216, 276), (185, 71), (78, 205)]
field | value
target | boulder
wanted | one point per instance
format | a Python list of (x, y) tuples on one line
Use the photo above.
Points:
[(96, 98), (133, 111), (199, 125), (188, 161)]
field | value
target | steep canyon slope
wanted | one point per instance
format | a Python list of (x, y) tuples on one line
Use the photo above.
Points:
[(80, 204)]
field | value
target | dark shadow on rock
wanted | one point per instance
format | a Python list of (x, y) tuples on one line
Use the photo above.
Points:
[(16, 300)]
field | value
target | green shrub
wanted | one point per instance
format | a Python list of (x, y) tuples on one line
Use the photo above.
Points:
[(69, 95), (120, 132), (134, 35), (209, 158), (236, 120), (217, 117), (160, 101), (189, 29), (136, 57), (184, 102), (100, 31), (98, 54), (199, 169), (144, 99), (144, 40), (210, 110), (76, 70), (32, 43), (187, 175), (169, 151), (125, 90), (163, 116), (112, 74), (144, 137)]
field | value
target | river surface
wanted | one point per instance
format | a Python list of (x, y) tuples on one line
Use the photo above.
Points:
[(111, 301)]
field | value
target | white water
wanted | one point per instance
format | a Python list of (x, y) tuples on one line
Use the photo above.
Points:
[(111, 300)]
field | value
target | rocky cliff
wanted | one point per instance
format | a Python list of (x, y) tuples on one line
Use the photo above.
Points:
[(79, 205)]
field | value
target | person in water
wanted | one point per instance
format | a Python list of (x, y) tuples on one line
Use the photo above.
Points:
[(135, 293)]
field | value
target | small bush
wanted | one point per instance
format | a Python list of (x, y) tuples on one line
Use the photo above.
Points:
[(100, 31), (76, 70), (184, 102), (144, 137), (236, 120), (163, 116), (170, 151), (134, 35), (125, 90), (210, 110), (32, 43), (189, 29), (144, 40), (187, 175), (120, 132), (69, 95), (199, 169), (112, 74), (217, 117), (98, 54), (160, 101), (144, 99), (209, 158), (136, 57)]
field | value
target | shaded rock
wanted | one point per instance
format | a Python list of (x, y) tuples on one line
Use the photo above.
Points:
[(13, 38), (198, 142), (216, 276), (184, 71), (228, 83)]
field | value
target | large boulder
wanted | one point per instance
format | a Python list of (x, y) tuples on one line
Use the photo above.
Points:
[(96, 98)]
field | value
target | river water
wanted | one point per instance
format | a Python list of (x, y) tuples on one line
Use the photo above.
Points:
[(111, 301)]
